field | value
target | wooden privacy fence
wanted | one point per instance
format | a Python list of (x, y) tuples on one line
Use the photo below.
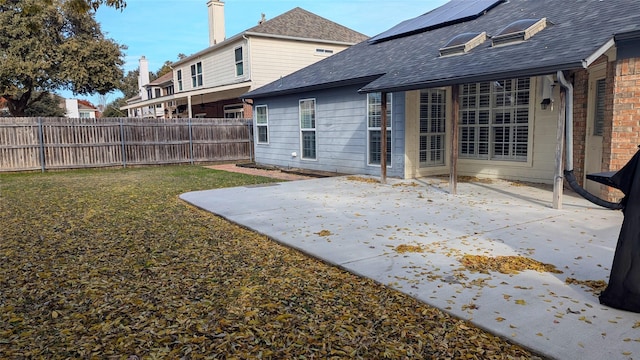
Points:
[(63, 143)]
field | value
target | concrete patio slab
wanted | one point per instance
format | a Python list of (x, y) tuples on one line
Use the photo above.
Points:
[(358, 225)]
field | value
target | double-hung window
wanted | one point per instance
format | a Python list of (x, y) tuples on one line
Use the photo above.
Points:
[(239, 62), (494, 120), (179, 75), (262, 124), (432, 127), (374, 130), (196, 74), (308, 128)]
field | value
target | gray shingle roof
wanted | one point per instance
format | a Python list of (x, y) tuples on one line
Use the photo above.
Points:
[(296, 23), (301, 23), (576, 30), (162, 79)]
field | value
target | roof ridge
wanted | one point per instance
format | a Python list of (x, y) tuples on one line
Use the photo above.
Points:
[(302, 23)]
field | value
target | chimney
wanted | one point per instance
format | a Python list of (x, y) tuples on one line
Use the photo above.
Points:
[(143, 77), (216, 21)]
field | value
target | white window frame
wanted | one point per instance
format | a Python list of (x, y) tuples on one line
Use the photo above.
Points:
[(262, 123), (179, 75), (309, 129), (196, 74), (432, 122), (239, 62), (482, 112), (373, 112), (235, 111)]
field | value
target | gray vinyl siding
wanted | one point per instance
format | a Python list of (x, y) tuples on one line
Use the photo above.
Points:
[(341, 133)]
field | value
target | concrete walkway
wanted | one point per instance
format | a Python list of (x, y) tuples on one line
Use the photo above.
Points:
[(358, 225)]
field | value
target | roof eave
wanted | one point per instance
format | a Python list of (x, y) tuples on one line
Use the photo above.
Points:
[(545, 70), (295, 38), (599, 52), (315, 87)]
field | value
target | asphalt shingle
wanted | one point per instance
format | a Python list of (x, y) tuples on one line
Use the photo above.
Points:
[(301, 23), (576, 29)]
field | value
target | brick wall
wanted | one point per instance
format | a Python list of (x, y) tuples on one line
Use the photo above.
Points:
[(624, 130), (580, 107)]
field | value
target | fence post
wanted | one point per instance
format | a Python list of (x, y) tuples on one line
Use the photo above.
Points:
[(124, 148), (41, 139), (191, 142), (251, 144)]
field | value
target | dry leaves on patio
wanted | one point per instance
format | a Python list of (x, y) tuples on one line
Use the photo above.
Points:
[(594, 286), (505, 264), (110, 264)]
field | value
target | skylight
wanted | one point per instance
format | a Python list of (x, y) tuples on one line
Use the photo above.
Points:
[(462, 43), (519, 30)]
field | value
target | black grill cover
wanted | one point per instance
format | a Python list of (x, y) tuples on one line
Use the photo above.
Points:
[(623, 291)]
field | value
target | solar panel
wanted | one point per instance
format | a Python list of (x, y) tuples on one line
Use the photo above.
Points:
[(454, 11)]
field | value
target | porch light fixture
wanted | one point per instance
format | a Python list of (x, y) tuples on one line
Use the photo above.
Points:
[(548, 84)]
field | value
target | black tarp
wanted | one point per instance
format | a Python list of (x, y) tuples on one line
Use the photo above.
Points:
[(623, 291)]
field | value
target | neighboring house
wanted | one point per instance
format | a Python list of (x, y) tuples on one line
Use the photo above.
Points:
[(82, 109), (158, 88), (209, 83), (474, 83)]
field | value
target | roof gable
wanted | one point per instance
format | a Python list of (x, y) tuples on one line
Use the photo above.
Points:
[(300, 23), (575, 31), (161, 80), (296, 24)]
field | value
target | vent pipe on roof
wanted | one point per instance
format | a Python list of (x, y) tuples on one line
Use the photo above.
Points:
[(216, 22)]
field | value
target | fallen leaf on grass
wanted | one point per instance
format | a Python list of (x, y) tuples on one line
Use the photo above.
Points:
[(133, 272)]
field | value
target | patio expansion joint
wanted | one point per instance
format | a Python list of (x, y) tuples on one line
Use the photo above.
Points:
[(353, 261), (517, 224)]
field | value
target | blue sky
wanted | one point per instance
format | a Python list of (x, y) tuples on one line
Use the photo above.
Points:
[(161, 29)]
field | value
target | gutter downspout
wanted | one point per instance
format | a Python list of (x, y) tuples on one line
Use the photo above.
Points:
[(568, 120), (568, 172)]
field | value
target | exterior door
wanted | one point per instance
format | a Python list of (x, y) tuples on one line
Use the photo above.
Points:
[(595, 122)]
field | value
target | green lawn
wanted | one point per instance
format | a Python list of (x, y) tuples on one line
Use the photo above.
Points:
[(112, 264)]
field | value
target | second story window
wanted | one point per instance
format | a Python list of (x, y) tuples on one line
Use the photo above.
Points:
[(157, 91), (168, 90), (149, 94), (196, 74), (239, 62), (179, 80)]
